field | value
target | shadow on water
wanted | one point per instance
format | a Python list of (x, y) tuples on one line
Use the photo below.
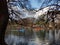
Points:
[(40, 37)]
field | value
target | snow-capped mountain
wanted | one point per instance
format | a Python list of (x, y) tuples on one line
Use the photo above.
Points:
[(24, 13), (45, 10)]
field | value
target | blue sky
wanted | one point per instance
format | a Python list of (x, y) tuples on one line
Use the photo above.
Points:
[(36, 4)]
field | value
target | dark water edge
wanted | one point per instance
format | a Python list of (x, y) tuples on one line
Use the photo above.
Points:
[(41, 37)]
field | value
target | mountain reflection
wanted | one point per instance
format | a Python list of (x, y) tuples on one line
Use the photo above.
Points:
[(41, 37)]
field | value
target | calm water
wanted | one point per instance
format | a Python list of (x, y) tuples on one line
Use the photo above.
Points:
[(37, 38)]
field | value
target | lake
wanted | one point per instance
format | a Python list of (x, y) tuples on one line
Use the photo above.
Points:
[(41, 37)]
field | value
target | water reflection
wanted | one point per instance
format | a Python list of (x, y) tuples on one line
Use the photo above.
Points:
[(41, 37)]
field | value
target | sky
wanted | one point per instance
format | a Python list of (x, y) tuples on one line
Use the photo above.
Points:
[(37, 4)]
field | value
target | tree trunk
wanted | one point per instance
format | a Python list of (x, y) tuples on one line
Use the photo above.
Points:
[(3, 20)]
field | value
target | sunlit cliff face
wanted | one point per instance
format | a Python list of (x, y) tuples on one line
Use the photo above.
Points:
[(45, 10), (41, 12)]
